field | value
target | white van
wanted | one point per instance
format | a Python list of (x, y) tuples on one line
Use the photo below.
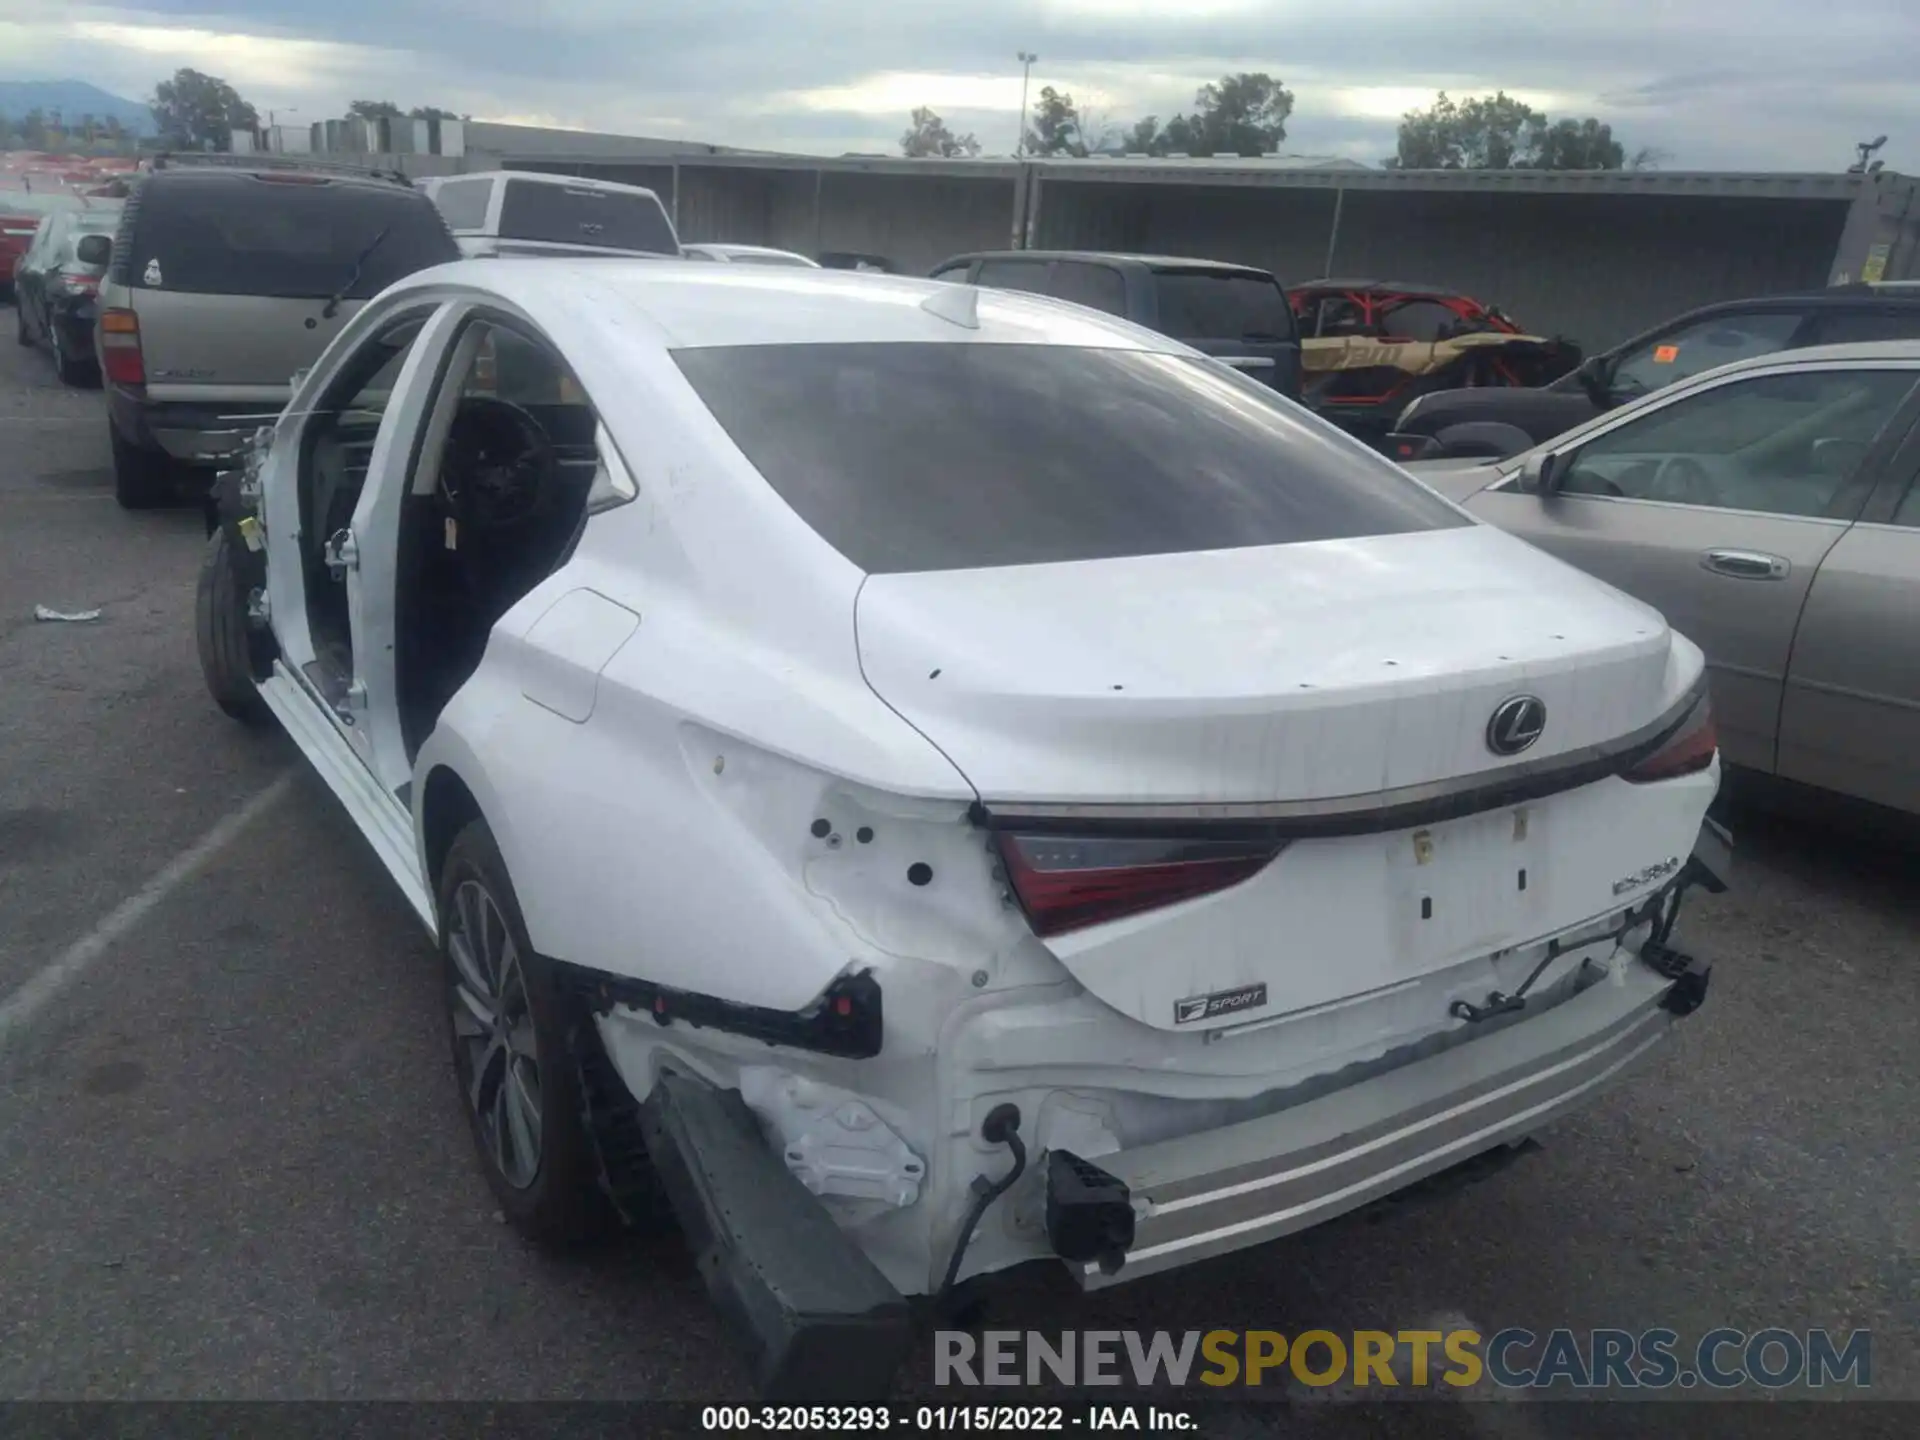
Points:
[(518, 212)]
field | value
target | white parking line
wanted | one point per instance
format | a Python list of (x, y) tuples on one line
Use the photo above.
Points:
[(33, 997)]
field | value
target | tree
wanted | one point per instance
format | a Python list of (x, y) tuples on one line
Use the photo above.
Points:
[(1649, 157), (434, 112), (1145, 136), (201, 111), (931, 137), (1501, 133), (376, 110), (1243, 114), (1056, 126), (33, 129), (1579, 145)]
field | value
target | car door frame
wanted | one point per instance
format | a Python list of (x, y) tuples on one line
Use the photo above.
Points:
[(1899, 478), (1843, 511), (286, 525)]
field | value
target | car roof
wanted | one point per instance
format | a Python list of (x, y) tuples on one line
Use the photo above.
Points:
[(684, 304), (1393, 287), (1110, 257), (174, 177), (724, 247), (570, 182)]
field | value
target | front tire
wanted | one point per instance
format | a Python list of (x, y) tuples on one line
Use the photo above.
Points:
[(142, 479), (226, 640), (519, 1079)]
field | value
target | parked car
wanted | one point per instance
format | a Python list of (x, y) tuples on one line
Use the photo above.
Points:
[(1371, 346), (523, 212), (57, 282), (1128, 859), (1769, 510), (21, 212), (1481, 423), (1237, 314), (746, 255), (225, 279)]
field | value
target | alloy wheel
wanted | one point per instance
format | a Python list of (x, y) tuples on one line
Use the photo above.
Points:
[(494, 1034)]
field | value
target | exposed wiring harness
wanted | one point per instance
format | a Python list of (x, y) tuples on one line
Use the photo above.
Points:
[(1001, 1127)]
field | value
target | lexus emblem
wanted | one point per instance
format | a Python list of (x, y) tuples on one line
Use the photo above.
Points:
[(1517, 722)]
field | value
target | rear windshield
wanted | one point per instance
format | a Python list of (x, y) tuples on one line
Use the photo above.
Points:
[(909, 457), (570, 215), (283, 238), (1222, 305)]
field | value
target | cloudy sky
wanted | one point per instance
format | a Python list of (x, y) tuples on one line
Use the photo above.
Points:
[(1716, 84)]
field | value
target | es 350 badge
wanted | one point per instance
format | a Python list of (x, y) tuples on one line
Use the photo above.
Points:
[(1221, 1002)]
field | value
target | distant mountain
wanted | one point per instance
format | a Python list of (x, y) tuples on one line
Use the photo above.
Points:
[(72, 98)]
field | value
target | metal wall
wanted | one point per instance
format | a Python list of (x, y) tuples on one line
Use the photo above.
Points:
[(1595, 268)]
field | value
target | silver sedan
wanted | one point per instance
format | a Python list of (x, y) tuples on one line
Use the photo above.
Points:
[(1770, 510)]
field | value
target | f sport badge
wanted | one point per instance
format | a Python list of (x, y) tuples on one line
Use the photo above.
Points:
[(1221, 1002)]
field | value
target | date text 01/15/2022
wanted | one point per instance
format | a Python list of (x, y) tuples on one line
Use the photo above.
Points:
[(935, 1419)]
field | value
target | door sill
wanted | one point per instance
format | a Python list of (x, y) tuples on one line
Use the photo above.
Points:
[(386, 824)]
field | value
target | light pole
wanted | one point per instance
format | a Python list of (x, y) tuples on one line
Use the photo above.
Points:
[(1026, 73)]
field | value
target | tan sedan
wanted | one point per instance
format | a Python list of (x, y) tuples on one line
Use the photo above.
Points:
[(1770, 510)]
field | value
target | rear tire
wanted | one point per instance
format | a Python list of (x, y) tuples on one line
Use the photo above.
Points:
[(519, 1078), (226, 639), (142, 479)]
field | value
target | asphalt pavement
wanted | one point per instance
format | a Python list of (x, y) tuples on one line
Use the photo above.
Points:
[(233, 1165)]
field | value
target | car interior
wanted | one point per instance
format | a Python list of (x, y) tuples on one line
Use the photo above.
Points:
[(498, 494), (497, 502), (1783, 444)]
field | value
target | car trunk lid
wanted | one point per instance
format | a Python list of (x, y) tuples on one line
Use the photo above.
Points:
[(1329, 697)]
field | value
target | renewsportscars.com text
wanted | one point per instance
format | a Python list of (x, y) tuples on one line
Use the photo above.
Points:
[(1513, 1358)]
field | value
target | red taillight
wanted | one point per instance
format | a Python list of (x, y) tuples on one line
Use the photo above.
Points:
[(1068, 882), (120, 357), (80, 284), (1690, 751)]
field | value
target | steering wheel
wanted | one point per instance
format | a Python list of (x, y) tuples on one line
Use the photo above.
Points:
[(1683, 480), (496, 471)]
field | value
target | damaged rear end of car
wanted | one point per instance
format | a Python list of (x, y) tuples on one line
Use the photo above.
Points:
[(1300, 839)]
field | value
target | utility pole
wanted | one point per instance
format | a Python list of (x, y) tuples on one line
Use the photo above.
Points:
[(1026, 73)]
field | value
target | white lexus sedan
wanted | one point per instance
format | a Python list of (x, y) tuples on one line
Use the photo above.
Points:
[(927, 779)]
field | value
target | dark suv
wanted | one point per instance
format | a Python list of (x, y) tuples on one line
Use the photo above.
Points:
[(1235, 313), (225, 279), (1502, 422)]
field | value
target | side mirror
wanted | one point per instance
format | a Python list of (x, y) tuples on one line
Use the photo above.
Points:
[(1544, 472), (93, 250)]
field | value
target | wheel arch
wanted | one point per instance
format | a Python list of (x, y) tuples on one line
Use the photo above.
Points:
[(447, 806)]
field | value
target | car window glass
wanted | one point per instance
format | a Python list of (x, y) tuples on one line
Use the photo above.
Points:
[(1028, 275), (946, 456), (463, 203), (1702, 346), (1782, 444), (1423, 320), (584, 215), (1222, 305), (1100, 287), (1846, 327), (509, 366), (283, 238)]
